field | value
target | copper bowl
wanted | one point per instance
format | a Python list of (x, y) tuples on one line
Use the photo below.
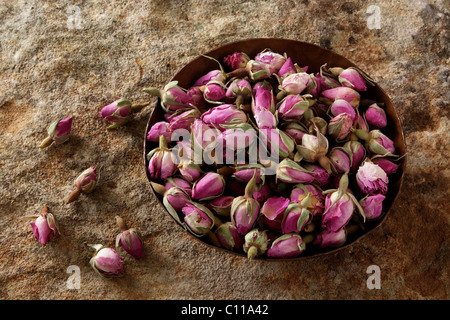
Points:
[(305, 54)]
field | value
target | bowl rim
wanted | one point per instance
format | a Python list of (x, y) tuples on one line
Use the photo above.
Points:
[(325, 251)]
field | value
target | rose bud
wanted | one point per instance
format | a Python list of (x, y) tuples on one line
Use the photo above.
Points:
[(321, 176), (342, 106), (245, 209), (295, 83), (204, 138), (263, 96), (348, 94), (339, 206), (263, 193), (224, 114), (351, 77), (190, 170), (327, 79), (210, 186), (290, 171), (222, 205), (183, 120), (198, 219), (257, 71), (214, 92), (130, 239), (106, 261), (340, 126), (371, 178), (84, 183), (373, 206), (44, 227), (292, 107), (328, 238), (236, 60), (58, 132), (176, 198), (376, 142), (316, 203), (279, 143), (264, 118), (272, 212), (273, 61), (244, 173), (296, 216), (287, 68), (211, 76), (286, 246), (162, 162), (295, 130), (314, 149), (158, 129), (239, 90), (340, 159), (119, 112), (375, 116), (229, 237), (173, 97), (256, 243), (178, 182), (196, 96), (357, 152), (388, 166)]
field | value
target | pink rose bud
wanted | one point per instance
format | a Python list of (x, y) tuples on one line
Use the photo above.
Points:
[(183, 120), (340, 159), (295, 83), (295, 130), (130, 239), (160, 128), (321, 176), (264, 118), (377, 142), (222, 205), (296, 216), (58, 132), (314, 149), (173, 97), (317, 199), (210, 186), (229, 237), (376, 117), (290, 171), (340, 126), (196, 95), (357, 152), (263, 96), (360, 123), (292, 107), (279, 143), (84, 183), (214, 91), (245, 173), (263, 193), (351, 77), (286, 246), (213, 75), (342, 106), (204, 137), (273, 61), (224, 114), (44, 227), (328, 238), (371, 178), (272, 212), (287, 68), (236, 60), (257, 71), (162, 162), (388, 166), (348, 94), (177, 198), (198, 219), (256, 243), (373, 206), (106, 261), (190, 170), (119, 112), (240, 91)]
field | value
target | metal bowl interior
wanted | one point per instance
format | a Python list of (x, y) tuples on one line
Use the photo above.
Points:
[(304, 54)]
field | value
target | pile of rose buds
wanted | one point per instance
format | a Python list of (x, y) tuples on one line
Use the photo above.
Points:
[(265, 159)]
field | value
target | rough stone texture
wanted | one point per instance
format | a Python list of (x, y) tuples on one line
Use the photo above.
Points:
[(53, 66)]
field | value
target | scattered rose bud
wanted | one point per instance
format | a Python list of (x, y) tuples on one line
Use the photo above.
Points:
[(118, 112), (44, 227), (58, 132), (375, 116), (256, 243), (173, 97), (287, 246), (130, 239), (106, 261), (371, 178), (84, 183)]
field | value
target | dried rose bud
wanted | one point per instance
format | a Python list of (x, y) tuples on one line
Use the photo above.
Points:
[(375, 116), (328, 238), (341, 159), (173, 97), (290, 171), (183, 120), (264, 118), (316, 203), (273, 61), (387, 165), (58, 132), (229, 237), (314, 149), (244, 173), (210, 186), (222, 205), (348, 94), (286, 246), (295, 83), (340, 126), (373, 206), (357, 152), (224, 114), (44, 227), (371, 178), (376, 142), (287, 68), (177, 198), (236, 60), (196, 95), (211, 76), (292, 107), (272, 212), (256, 243), (342, 106), (118, 112), (321, 176), (351, 77), (296, 216), (240, 91), (106, 261), (178, 182), (162, 162), (130, 239), (263, 96), (214, 91), (257, 71), (203, 136), (295, 130), (84, 183), (198, 219), (279, 143), (263, 193), (190, 171), (158, 129)]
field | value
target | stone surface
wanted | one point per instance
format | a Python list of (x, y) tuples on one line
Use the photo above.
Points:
[(61, 58)]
